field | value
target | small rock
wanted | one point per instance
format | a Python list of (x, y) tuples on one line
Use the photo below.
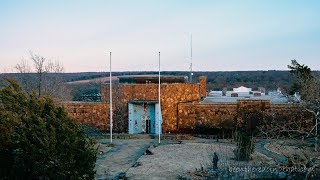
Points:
[(121, 175), (148, 152), (137, 164), (110, 145), (154, 146)]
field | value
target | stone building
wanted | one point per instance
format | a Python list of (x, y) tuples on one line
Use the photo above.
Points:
[(184, 106), (136, 107)]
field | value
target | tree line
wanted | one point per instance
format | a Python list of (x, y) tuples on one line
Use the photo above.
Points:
[(271, 80)]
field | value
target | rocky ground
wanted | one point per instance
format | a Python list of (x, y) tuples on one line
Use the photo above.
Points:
[(174, 156), (284, 159), (184, 157), (169, 160), (301, 154)]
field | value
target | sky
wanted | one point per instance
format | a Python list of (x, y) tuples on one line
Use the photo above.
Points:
[(227, 35)]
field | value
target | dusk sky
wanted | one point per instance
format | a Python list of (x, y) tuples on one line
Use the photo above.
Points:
[(227, 35)]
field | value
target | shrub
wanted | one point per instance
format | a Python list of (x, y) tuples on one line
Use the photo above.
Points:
[(39, 141), (245, 146), (247, 122)]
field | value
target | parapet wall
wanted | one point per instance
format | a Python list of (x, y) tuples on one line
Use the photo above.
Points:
[(225, 115), (89, 113), (216, 115)]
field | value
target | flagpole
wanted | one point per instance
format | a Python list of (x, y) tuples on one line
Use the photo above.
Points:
[(159, 117), (110, 83)]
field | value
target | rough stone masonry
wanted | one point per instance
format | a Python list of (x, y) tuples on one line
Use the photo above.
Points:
[(180, 105)]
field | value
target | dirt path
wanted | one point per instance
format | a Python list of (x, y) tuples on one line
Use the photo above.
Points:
[(113, 160), (279, 159)]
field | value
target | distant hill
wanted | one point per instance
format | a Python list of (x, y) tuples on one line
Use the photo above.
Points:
[(94, 80), (271, 80), (216, 80)]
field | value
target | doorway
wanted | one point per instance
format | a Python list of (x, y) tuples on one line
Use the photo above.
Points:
[(142, 117)]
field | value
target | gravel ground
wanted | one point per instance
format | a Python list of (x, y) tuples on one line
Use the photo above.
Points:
[(113, 160), (125, 153), (170, 159)]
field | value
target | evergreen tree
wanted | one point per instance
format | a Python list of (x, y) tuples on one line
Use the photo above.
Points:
[(39, 141), (309, 85)]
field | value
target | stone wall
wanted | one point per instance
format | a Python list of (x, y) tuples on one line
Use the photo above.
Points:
[(225, 115), (253, 105), (171, 96), (177, 115), (285, 108), (203, 86), (290, 111), (89, 113), (215, 115)]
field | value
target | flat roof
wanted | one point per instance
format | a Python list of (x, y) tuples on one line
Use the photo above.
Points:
[(233, 100), (143, 102)]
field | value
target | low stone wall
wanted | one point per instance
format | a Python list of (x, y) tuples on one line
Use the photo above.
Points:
[(219, 116), (290, 111), (90, 113), (180, 108), (186, 116), (215, 115)]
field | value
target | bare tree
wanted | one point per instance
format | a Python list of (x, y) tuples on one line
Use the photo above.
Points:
[(53, 80), (294, 124), (24, 68), (48, 81), (309, 86), (39, 65)]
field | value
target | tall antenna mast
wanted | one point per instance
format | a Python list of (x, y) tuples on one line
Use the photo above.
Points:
[(191, 59)]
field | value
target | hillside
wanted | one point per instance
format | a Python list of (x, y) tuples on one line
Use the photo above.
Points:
[(88, 83)]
